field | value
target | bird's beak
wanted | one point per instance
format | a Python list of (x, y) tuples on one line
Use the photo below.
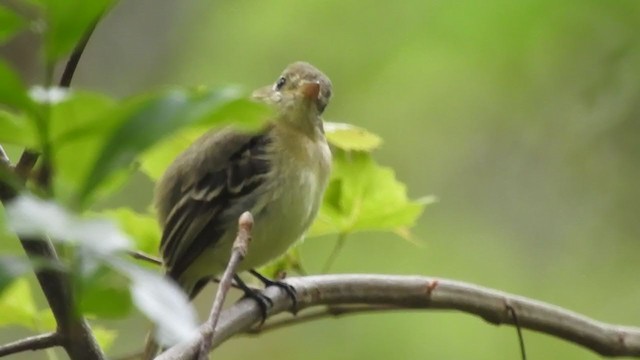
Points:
[(310, 90), (262, 93)]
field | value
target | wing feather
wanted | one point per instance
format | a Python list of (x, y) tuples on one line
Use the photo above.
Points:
[(227, 175)]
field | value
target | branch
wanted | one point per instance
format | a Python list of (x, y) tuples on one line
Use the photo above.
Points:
[(328, 311), (75, 333), (416, 292), (238, 252), (32, 343)]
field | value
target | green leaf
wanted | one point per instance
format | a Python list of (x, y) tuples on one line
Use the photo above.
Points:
[(286, 263), (145, 124), (12, 91), (78, 127), (45, 321), (363, 195), (17, 130), (18, 306), (143, 228), (153, 119), (10, 23), (67, 22), (105, 337), (105, 293), (350, 137), (242, 112)]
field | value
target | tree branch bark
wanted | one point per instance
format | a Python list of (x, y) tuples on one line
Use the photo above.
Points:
[(75, 335), (32, 343), (416, 292)]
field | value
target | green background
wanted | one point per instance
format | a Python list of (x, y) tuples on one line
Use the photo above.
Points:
[(522, 117)]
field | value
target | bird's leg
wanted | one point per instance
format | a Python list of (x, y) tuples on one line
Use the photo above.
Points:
[(264, 303), (290, 290)]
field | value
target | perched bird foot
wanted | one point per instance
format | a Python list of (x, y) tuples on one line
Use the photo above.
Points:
[(264, 303), (290, 290)]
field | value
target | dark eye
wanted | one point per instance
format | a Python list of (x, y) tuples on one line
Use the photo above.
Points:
[(280, 83)]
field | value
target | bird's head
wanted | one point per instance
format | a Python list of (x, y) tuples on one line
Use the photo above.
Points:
[(300, 89)]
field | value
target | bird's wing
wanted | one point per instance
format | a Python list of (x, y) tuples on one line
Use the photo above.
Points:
[(228, 181)]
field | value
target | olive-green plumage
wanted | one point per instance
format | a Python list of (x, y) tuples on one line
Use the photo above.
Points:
[(279, 174)]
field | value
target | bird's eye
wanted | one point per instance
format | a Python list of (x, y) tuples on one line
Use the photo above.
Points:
[(280, 83)]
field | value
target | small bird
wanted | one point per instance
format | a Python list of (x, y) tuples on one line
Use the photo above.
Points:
[(279, 174)]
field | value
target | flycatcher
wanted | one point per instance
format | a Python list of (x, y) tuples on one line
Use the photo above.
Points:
[(279, 174)]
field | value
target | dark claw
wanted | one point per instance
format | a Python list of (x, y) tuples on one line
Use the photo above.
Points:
[(264, 303), (290, 290)]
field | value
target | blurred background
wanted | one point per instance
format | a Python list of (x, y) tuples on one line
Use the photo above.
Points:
[(522, 117)]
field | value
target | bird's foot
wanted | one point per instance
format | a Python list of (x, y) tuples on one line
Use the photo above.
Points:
[(290, 290), (264, 303)]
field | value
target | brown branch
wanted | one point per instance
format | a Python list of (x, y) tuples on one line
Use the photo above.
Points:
[(78, 339), (328, 311), (26, 163), (38, 342), (74, 59), (238, 252), (416, 292), (75, 333)]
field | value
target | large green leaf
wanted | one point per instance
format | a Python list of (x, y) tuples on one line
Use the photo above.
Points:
[(78, 126), (17, 130), (104, 293), (242, 112), (363, 195), (147, 121), (10, 23), (12, 91)]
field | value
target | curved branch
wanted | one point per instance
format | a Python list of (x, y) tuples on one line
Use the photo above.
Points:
[(38, 342), (417, 292)]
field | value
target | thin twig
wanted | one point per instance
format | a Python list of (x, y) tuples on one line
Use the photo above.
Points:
[(26, 163), (238, 252), (334, 253), (32, 343), (74, 59), (139, 255), (417, 292), (516, 323)]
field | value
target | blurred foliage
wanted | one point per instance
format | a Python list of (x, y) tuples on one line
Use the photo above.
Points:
[(96, 142), (522, 117)]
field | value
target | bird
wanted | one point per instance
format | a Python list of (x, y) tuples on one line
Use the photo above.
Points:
[(278, 173)]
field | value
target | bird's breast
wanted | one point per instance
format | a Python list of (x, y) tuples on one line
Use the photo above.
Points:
[(299, 178)]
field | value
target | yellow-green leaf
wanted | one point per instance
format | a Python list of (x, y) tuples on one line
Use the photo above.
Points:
[(18, 306), (363, 195), (350, 137), (143, 228), (11, 23), (105, 337)]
